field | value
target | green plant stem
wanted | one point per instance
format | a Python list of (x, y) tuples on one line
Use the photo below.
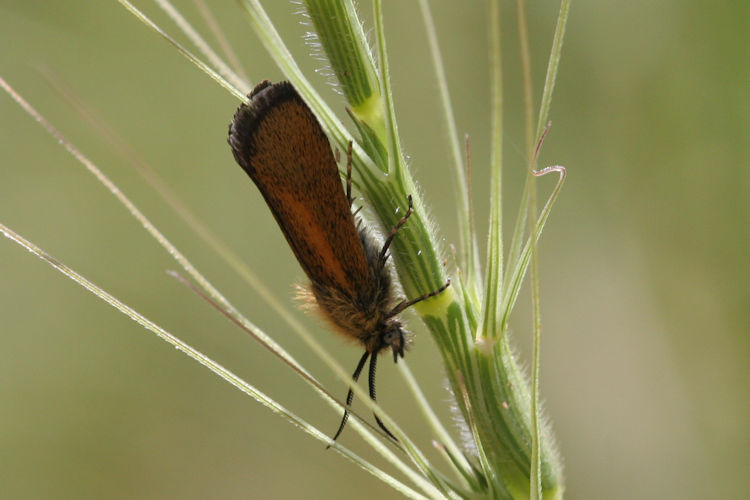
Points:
[(535, 480), (479, 361)]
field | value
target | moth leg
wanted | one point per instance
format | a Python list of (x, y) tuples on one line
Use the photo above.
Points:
[(349, 174), (393, 232), (408, 303)]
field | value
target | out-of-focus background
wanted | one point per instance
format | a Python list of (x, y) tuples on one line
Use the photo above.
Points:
[(644, 261)]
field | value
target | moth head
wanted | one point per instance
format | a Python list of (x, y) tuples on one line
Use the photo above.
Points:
[(395, 337)]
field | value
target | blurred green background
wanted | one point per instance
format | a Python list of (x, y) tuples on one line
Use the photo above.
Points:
[(644, 261)]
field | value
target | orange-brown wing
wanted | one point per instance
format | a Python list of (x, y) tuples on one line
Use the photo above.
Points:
[(278, 141)]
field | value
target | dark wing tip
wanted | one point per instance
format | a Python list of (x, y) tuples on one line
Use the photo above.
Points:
[(264, 97)]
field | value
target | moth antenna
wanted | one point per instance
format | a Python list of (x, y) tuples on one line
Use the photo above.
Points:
[(350, 396), (371, 384)]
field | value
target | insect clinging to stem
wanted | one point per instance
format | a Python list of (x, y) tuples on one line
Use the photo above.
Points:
[(278, 141)]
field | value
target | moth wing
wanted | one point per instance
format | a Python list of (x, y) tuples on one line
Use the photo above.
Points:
[(278, 141)]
